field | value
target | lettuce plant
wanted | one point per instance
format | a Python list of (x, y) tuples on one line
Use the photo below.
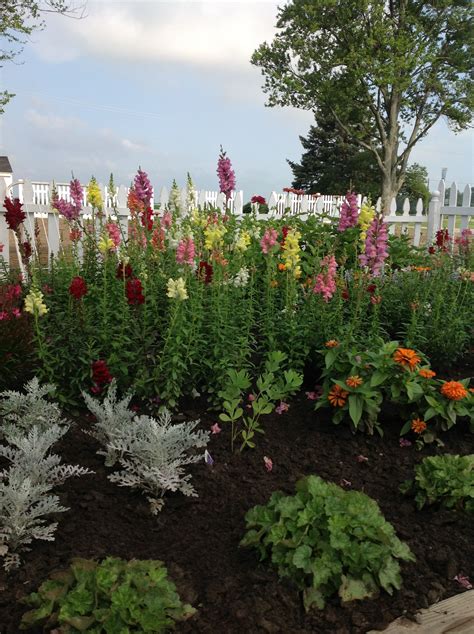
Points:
[(328, 540), (447, 480), (113, 597), (24, 490)]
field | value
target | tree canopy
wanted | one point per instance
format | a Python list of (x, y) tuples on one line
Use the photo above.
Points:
[(403, 64)]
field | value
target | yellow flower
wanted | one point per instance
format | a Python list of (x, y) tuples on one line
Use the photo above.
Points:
[(366, 215), (243, 241), (105, 244), (291, 249), (213, 237), (198, 219), (94, 195), (177, 289), (34, 303)]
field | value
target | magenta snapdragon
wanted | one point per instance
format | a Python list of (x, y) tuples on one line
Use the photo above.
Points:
[(349, 212), (376, 251), (226, 174), (269, 240), (326, 280), (70, 210), (114, 233), (77, 193), (143, 188), (186, 251)]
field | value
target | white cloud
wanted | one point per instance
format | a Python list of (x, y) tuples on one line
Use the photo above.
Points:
[(209, 34)]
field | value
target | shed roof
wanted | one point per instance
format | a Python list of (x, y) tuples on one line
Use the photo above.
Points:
[(5, 166)]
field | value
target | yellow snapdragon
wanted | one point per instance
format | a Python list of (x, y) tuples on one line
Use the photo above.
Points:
[(243, 241), (177, 289), (213, 235), (34, 303), (105, 244), (198, 219), (94, 195), (291, 252), (366, 215)]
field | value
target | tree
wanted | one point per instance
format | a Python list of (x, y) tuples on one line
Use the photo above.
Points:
[(334, 164), (402, 64), (415, 184), (19, 19)]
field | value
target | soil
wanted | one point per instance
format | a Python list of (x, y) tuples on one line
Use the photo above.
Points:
[(198, 538)]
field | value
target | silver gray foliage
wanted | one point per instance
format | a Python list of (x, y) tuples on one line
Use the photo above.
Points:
[(24, 490), (21, 410), (154, 453), (112, 416)]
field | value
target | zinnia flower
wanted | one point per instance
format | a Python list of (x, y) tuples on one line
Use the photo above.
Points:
[(177, 289), (453, 390), (426, 374), (354, 381), (134, 292), (418, 425), (332, 343), (406, 358), (337, 396), (78, 287)]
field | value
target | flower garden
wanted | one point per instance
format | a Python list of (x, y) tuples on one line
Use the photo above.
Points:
[(236, 424)]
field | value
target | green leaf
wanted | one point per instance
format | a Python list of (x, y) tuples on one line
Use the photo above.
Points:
[(355, 408), (302, 557), (353, 589), (378, 378)]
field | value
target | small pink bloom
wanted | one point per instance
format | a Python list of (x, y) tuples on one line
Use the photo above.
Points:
[(4, 315), (215, 429), (16, 312), (283, 407), (251, 397), (361, 458), (268, 463), (404, 442), (463, 581), (166, 220), (311, 396)]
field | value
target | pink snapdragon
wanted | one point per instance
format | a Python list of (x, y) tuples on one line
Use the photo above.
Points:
[(326, 280), (166, 220), (215, 429), (186, 251), (114, 233), (70, 210), (464, 240), (282, 408), (268, 462), (376, 251), (226, 174), (143, 188), (269, 240), (77, 193), (349, 212)]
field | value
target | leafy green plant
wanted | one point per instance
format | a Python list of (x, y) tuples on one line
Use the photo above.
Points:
[(447, 480), (273, 385), (328, 540), (113, 597)]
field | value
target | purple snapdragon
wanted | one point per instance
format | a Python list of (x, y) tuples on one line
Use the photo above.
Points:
[(226, 174)]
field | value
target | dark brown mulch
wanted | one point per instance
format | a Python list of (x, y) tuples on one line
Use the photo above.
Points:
[(198, 538)]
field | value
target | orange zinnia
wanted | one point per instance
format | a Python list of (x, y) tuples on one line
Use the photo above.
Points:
[(337, 396), (453, 390), (427, 374), (354, 381), (406, 357), (332, 343), (418, 425), (281, 267)]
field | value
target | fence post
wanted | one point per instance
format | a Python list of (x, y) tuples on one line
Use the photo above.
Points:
[(433, 216)]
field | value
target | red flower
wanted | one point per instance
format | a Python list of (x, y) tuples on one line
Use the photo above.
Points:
[(258, 199), (134, 292), (100, 375), (78, 287), (146, 218), (205, 272), (284, 232), (345, 294), (371, 288), (26, 250), (15, 214), (431, 250), (123, 271), (442, 239)]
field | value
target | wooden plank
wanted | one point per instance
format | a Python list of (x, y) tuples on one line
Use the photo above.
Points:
[(451, 616)]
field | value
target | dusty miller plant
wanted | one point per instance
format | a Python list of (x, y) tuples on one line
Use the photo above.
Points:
[(153, 456), (24, 489), (112, 417), (20, 411)]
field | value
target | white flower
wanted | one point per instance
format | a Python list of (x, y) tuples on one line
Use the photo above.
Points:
[(177, 289), (242, 277)]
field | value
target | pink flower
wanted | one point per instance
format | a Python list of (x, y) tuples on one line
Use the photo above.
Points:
[(226, 174), (268, 463), (376, 251), (16, 312), (251, 397), (114, 233), (311, 396), (404, 442), (326, 280), (186, 251), (1, 247), (349, 212), (166, 220), (269, 240), (463, 581), (4, 316), (283, 407), (361, 458), (215, 429)]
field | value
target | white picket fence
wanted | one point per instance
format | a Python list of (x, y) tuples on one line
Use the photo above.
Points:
[(420, 226)]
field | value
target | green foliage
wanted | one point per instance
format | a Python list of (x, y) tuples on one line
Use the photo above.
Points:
[(415, 184), (447, 480), (113, 597), (274, 384), (328, 540)]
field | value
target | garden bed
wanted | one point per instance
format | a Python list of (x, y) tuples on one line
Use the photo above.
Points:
[(198, 538)]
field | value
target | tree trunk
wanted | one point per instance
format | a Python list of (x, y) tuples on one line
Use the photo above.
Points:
[(389, 191)]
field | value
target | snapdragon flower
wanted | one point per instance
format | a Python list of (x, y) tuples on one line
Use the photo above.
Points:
[(177, 289)]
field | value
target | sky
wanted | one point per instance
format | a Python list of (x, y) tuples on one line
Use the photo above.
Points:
[(162, 85)]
